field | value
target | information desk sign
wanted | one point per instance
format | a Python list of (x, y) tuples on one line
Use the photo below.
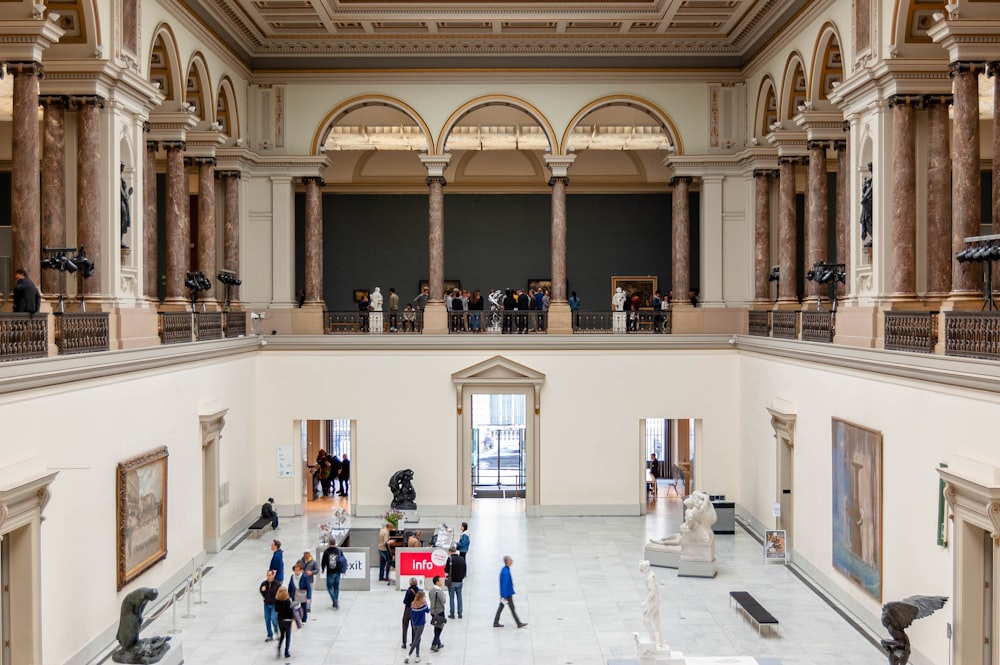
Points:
[(419, 562)]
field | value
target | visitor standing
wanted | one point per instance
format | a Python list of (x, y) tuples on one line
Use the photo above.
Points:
[(408, 597), (335, 565), (283, 607), (393, 309), (463, 540), (383, 553), (300, 591), (418, 619), (454, 569), (268, 591), (507, 594), (26, 296), (277, 561), (437, 603)]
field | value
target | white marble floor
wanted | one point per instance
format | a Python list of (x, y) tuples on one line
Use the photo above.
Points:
[(578, 586)]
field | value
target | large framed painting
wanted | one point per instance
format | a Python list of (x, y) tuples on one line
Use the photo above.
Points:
[(142, 513), (645, 286), (449, 285), (857, 505)]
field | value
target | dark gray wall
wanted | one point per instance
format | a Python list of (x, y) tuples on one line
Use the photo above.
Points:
[(491, 241)]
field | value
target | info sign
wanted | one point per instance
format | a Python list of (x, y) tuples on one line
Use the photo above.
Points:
[(419, 562)]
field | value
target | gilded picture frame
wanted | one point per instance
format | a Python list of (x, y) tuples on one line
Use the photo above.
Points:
[(645, 285), (857, 505), (142, 513)]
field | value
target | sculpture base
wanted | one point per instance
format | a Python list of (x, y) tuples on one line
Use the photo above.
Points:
[(696, 569), (376, 322), (151, 650), (619, 323), (656, 654), (410, 516), (664, 556)]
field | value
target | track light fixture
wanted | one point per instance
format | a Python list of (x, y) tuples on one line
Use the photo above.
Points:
[(68, 260), (985, 250)]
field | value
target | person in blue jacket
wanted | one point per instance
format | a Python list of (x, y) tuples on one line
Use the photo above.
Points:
[(507, 594), (277, 561)]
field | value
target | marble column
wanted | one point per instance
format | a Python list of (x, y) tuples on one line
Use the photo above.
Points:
[(231, 228), (762, 235), (680, 282), (150, 275), (786, 230), (816, 214), (25, 205), (939, 243), (53, 183), (843, 216), (558, 238), (435, 238), (903, 270), (178, 225), (88, 185), (965, 186), (314, 239), (206, 226), (993, 70)]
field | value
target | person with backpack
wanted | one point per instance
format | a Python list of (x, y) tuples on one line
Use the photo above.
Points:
[(335, 564)]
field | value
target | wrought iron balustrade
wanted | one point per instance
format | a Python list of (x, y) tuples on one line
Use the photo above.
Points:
[(82, 332), (359, 323), (641, 322), (235, 324), (972, 334), (759, 322), (818, 326), (209, 325), (911, 331), (175, 327), (23, 336), (785, 324)]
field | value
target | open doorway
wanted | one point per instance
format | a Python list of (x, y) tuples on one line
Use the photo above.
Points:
[(328, 454), (498, 446), (667, 447)]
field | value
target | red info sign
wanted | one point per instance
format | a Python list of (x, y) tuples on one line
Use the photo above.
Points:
[(420, 562)]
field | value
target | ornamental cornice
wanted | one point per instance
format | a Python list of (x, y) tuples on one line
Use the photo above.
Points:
[(821, 125), (884, 78), (26, 40), (100, 77), (970, 39), (170, 126)]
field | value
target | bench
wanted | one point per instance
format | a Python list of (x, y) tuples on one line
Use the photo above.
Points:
[(261, 525), (753, 610)]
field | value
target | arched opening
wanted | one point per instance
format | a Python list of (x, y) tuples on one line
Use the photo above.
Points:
[(794, 88)]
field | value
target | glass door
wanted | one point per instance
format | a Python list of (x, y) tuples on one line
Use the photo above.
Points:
[(498, 440)]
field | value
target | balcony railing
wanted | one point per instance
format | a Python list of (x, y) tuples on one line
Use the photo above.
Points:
[(911, 331), (175, 327), (818, 326), (82, 332), (972, 334), (235, 324), (759, 322), (360, 323), (785, 325), (641, 322), (23, 336), (208, 325)]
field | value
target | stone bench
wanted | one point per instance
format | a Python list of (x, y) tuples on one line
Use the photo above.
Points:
[(753, 610)]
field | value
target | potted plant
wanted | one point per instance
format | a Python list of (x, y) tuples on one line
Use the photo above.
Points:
[(393, 517)]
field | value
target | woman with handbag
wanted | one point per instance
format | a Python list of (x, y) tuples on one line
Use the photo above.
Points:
[(286, 616), (300, 591), (438, 603)]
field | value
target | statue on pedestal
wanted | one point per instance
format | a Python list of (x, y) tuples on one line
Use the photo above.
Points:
[(126, 220), (866, 209), (131, 649), (618, 300), (696, 539), (403, 494), (651, 606)]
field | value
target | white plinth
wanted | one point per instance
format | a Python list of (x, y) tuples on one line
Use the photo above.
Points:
[(375, 323), (696, 569), (656, 654), (410, 516), (667, 556), (619, 323)]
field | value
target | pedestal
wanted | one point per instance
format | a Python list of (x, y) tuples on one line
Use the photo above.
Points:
[(375, 323), (619, 323), (656, 654), (696, 569), (664, 556)]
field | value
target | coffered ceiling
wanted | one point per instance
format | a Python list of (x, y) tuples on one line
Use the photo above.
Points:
[(472, 34)]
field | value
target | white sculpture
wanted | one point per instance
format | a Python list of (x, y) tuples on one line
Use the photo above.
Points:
[(696, 539), (618, 300), (376, 300), (651, 606)]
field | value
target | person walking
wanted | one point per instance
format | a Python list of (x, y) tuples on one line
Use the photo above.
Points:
[(277, 561), (454, 568), (437, 603), (25, 295), (300, 591), (283, 606), (507, 594), (411, 593), (418, 619), (268, 591), (335, 565)]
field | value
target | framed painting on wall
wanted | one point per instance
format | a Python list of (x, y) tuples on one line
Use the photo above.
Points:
[(359, 294), (449, 285), (857, 505), (142, 513), (539, 284), (645, 286)]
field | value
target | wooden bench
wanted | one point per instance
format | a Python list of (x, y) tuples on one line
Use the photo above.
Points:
[(753, 610), (261, 525)]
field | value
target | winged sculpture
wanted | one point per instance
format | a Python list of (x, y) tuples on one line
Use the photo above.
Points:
[(897, 617)]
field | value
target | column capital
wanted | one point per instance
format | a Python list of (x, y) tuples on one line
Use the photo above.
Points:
[(794, 160), (233, 173), (313, 180), (435, 164), (435, 178), (677, 179), (839, 145), (916, 101), (559, 164), (173, 145), (58, 101), (152, 145), (80, 101), (199, 161), (32, 68), (993, 68), (765, 173), (562, 178), (938, 100), (819, 145), (961, 67)]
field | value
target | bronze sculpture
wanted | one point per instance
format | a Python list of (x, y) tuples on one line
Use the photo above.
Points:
[(897, 617), (403, 494), (132, 649)]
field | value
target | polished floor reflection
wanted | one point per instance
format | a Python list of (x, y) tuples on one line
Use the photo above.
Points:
[(578, 587)]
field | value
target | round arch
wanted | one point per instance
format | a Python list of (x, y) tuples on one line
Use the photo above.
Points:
[(766, 108), (355, 103), (827, 63), (793, 90), (164, 62), (630, 101), (227, 111), (495, 100), (203, 91)]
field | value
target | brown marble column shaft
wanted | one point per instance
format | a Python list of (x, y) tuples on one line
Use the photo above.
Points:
[(178, 226), (435, 238), (53, 183), (993, 69), (88, 185), (904, 195), (314, 239), (762, 235), (150, 275), (939, 243), (786, 229), (231, 227), (25, 208), (680, 282), (843, 215), (816, 213), (206, 225), (965, 186), (558, 238)]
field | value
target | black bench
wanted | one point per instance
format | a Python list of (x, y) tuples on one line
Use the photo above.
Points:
[(258, 527), (753, 610)]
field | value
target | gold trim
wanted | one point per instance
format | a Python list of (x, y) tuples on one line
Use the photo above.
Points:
[(626, 100), (345, 107), (494, 100)]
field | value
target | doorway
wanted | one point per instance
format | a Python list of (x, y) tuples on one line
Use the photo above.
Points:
[(783, 422), (498, 446), (328, 477), (668, 451), (214, 495)]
